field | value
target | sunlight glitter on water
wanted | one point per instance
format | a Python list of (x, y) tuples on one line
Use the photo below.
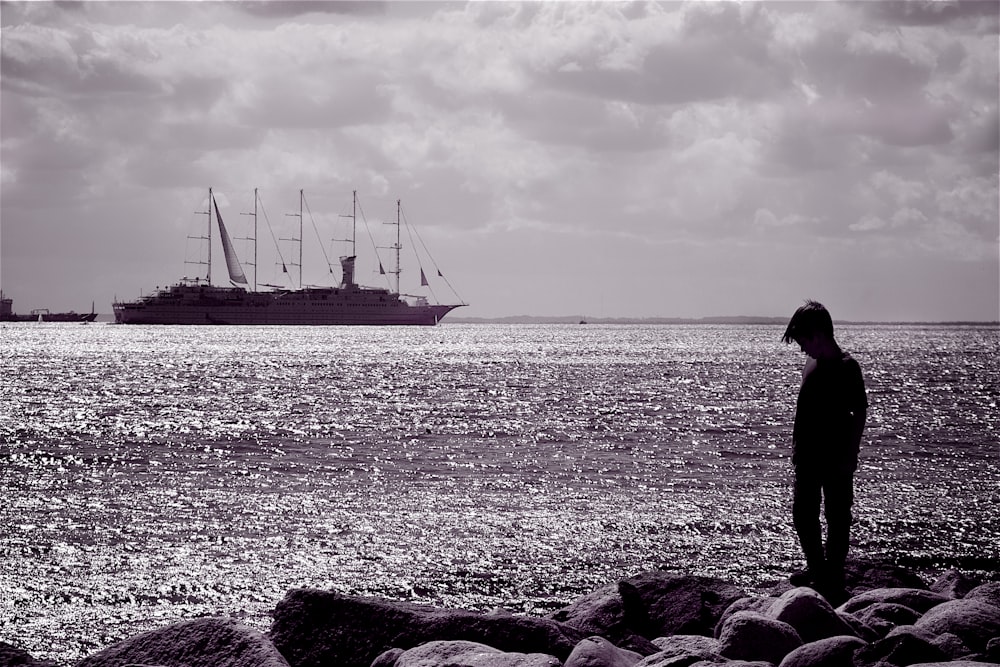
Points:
[(162, 473)]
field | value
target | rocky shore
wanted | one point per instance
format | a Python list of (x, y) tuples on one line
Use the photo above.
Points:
[(891, 618)]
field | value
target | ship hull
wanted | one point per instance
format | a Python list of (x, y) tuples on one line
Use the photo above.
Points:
[(207, 305)]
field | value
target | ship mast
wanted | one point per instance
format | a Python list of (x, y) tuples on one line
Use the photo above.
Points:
[(254, 239), (399, 267), (299, 216), (208, 238), (397, 246)]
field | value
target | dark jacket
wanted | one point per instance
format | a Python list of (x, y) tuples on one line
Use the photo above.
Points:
[(829, 415)]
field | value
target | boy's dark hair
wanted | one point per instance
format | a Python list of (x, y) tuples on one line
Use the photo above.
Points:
[(809, 319)]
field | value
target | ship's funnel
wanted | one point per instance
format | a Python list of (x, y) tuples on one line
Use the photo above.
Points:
[(347, 265)]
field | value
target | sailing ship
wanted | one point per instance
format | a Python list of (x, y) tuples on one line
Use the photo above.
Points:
[(198, 301), (7, 314)]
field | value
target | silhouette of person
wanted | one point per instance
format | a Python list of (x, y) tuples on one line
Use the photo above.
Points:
[(830, 416)]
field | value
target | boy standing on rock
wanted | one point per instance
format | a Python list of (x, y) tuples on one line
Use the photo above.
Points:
[(829, 419)]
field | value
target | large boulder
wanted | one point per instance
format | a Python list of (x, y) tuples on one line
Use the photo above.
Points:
[(867, 575), (810, 614), (683, 650), (315, 628), (954, 584), (884, 617), (757, 604), (747, 635), (828, 652), (469, 654), (974, 622), (988, 593), (601, 613), (599, 652), (205, 642), (901, 650), (657, 604), (916, 599), (952, 647)]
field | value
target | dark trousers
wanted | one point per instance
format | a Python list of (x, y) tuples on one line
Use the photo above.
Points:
[(835, 488)]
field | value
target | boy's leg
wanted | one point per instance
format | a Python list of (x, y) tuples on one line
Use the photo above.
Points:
[(838, 491), (806, 497)]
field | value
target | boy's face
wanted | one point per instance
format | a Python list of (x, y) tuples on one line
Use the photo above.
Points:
[(809, 344)]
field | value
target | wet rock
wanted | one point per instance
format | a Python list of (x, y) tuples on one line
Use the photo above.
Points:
[(601, 613), (469, 654), (883, 617), (748, 635), (828, 652), (863, 576), (988, 593), (205, 642), (974, 622), (315, 628), (954, 663), (918, 600), (657, 604), (11, 656), (810, 614), (954, 584), (900, 650), (599, 652)]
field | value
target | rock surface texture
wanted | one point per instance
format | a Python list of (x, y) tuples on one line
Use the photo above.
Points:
[(655, 619)]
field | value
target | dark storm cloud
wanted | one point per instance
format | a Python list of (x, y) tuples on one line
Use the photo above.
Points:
[(930, 12), (280, 9)]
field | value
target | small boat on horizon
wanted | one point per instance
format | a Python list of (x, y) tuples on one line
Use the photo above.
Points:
[(198, 301), (7, 314)]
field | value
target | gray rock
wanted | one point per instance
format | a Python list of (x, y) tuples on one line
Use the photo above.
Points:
[(469, 654), (205, 642), (883, 617), (953, 647), (988, 593), (828, 652), (760, 605), (954, 584), (748, 635), (974, 622), (863, 576), (315, 628), (388, 658), (916, 599), (657, 604), (689, 644), (601, 613), (684, 650), (900, 650), (810, 614), (599, 652)]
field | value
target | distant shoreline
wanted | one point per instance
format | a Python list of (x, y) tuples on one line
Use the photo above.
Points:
[(738, 319), (730, 320)]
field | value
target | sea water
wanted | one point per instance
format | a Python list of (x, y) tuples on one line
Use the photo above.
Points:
[(151, 474)]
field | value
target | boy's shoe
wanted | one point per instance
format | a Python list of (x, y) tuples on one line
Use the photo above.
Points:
[(805, 577)]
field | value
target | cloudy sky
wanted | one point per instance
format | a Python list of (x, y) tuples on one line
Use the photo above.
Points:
[(602, 159)]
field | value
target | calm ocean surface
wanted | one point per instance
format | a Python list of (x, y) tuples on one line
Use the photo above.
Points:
[(157, 473)]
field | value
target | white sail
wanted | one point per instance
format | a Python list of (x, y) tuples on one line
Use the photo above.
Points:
[(232, 262)]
